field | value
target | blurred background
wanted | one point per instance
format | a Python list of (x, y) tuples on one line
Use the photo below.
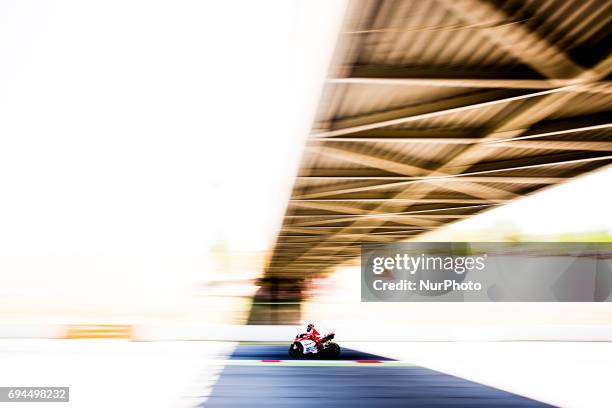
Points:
[(177, 171), (149, 151)]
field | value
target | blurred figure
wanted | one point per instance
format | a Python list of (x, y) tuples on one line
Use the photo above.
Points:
[(310, 329)]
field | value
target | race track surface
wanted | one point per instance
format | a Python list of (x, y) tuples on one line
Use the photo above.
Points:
[(265, 376)]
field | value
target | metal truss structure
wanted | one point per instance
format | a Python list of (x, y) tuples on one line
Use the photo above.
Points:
[(438, 110)]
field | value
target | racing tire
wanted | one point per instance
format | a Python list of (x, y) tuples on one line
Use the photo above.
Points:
[(332, 350), (296, 350)]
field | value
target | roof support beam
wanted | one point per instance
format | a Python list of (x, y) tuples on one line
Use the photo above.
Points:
[(456, 140), (353, 238), (410, 222), (478, 169), (474, 189), (432, 110), (390, 227), (339, 208), (370, 160), (402, 200), (409, 219), (364, 76), (552, 145), (473, 179)]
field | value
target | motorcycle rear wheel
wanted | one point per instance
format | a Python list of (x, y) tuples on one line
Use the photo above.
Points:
[(332, 350)]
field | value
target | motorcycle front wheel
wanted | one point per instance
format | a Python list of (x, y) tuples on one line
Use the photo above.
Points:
[(296, 350)]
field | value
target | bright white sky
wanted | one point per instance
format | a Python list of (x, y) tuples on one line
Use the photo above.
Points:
[(154, 125), (580, 205), (135, 134)]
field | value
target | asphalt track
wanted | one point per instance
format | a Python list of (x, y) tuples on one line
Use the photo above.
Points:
[(265, 376)]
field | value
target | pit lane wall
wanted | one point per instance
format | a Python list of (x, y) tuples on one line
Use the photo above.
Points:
[(268, 333)]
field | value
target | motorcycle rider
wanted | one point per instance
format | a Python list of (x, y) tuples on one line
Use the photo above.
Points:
[(314, 334)]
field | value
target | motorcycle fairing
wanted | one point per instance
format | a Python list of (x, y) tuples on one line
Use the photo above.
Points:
[(309, 346)]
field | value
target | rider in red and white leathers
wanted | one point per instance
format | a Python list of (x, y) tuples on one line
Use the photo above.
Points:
[(314, 334)]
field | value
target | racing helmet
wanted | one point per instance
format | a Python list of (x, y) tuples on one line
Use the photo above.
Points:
[(309, 327)]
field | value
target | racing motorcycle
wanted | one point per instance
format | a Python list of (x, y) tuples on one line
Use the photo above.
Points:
[(305, 345)]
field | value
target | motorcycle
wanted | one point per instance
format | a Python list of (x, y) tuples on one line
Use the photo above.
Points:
[(304, 345)]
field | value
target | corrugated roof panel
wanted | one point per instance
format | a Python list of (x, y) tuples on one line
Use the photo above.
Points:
[(584, 104), (359, 99), (425, 34)]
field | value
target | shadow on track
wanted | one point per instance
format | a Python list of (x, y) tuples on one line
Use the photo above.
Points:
[(280, 352)]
